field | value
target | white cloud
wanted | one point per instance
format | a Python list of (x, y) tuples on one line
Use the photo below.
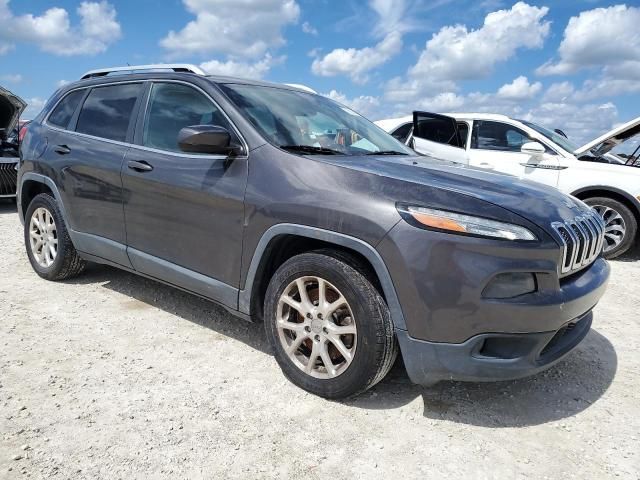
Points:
[(598, 37), (52, 31), (456, 53), (356, 63), (34, 106), (241, 28), (232, 68), (519, 89), (559, 92), (11, 78), (365, 105), (308, 28), (393, 16), (606, 87)]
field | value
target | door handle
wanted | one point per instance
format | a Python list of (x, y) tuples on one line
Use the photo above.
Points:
[(141, 166), (487, 166), (62, 150)]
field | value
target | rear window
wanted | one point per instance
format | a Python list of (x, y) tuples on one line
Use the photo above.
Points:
[(107, 111), (61, 115)]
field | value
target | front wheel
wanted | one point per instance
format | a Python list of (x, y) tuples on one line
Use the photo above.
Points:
[(329, 328), (620, 225)]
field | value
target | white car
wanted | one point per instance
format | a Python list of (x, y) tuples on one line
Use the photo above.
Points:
[(609, 183)]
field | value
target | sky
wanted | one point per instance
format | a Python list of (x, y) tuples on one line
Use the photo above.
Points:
[(572, 65)]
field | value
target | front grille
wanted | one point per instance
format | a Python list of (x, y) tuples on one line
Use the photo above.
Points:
[(582, 239), (8, 179)]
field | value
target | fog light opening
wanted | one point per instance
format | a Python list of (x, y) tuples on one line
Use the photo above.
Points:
[(510, 285)]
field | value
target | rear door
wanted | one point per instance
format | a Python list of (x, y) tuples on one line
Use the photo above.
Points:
[(184, 211), (88, 156), (497, 146), (438, 136)]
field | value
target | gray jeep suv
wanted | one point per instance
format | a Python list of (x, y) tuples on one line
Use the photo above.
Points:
[(288, 208)]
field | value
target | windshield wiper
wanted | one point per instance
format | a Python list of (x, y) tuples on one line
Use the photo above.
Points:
[(387, 152), (311, 149)]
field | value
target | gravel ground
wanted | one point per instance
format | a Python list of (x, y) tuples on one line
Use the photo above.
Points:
[(115, 376)]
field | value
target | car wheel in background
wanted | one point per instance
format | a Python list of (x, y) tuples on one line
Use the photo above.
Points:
[(620, 225)]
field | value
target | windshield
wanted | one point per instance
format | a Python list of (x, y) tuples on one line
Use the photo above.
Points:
[(308, 123), (553, 136)]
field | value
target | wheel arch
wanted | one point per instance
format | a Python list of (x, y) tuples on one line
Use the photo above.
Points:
[(32, 184), (283, 241), (612, 193)]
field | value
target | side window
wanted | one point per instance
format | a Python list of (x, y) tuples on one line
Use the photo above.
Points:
[(107, 111), (437, 128), (173, 106), (61, 115), (497, 136), (402, 132)]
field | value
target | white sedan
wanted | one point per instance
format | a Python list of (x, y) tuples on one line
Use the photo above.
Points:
[(608, 182)]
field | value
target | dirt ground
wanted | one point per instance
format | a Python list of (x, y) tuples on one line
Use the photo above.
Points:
[(115, 376)]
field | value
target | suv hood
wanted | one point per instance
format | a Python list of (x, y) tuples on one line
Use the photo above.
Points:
[(605, 143), (533, 201), (11, 106)]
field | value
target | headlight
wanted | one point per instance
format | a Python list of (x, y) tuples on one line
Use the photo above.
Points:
[(466, 224)]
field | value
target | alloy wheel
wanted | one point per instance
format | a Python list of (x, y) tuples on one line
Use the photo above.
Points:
[(43, 237), (316, 327), (615, 226)]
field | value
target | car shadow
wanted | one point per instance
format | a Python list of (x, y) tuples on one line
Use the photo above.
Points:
[(7, 206), (176, 302), (563, 391), (631, 255), (560, 392)]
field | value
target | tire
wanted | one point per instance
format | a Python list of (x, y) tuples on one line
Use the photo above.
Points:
[(66, 263), (616, 215), (372, 349)]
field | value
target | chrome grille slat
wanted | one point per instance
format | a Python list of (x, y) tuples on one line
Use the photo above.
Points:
[(581, 240)]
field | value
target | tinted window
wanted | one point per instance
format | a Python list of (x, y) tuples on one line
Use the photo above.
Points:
[(437, 129), (172, 107), (497, 136), (107, 111), (402, 132), (61, 115)]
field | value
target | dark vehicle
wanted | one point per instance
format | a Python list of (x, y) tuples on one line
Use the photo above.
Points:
[(288, 208), (11, 106)]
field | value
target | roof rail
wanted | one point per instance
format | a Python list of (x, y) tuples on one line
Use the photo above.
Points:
[(301, 87), (176, 67)]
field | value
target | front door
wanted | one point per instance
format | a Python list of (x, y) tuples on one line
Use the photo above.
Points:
[(497, 146), (438, 136), (184, 212)]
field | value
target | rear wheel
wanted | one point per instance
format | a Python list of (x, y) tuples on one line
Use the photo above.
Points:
[(49, 248), (620, 225), (330, 329)]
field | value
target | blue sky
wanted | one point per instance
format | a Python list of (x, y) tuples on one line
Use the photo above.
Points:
[(570, 65)]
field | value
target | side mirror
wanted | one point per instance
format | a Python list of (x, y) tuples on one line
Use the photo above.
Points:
[(212, 139), (533, 148)]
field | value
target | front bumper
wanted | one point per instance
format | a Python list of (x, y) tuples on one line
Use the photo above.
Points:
[(490, 357), (453, 332)]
